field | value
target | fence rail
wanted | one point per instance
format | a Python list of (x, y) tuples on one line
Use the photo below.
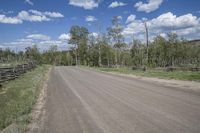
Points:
[(10, 73)]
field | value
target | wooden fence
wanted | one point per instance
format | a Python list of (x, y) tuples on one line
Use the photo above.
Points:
[(10, 73)]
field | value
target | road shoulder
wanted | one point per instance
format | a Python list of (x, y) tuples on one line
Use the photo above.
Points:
[(38, 111), (191, 86)]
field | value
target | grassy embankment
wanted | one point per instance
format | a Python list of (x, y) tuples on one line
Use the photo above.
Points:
[(179, 75), (18, 96)]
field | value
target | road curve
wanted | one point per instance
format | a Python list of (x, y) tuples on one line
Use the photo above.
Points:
[(86, 101)]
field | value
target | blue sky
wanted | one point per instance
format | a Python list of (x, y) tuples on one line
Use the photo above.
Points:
[(43, 22)]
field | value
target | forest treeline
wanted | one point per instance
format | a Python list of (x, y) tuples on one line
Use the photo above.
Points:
[(110, 50)]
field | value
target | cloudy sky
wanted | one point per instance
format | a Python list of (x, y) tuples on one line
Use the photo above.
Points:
[(45, 22)]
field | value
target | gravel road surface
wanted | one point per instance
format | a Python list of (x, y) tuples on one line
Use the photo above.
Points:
[(81, 100)]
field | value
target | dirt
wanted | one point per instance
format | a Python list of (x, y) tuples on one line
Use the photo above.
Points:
[(192, 86), (86, 101), (38, 111)]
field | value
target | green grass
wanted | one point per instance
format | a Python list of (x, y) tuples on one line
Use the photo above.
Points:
[(18, 96), (180, 75)]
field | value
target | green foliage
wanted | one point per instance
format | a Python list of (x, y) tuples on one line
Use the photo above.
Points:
[(79, 38), (10, 57), (166, 52), (116, 37), (110, 50), (33, 53), (137, 53), (115, 31)]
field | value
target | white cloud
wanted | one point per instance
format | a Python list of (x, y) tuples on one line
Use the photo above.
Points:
[(38, 37), (25, 40), (36, 12), (42, 45), (86, 4), (171, 20), (152, 5), (185, 26), (90, 18), (45, 16), (43, 42), (94, 34), (50, 42), (54, 14), (1, 46), (31, 15), (93, 37), (24, 15), (119, 17), (48, 14), (64, 37), (116, 4), (163, 35), (10, 20), (130, 18), (19, 44), (29, 2)]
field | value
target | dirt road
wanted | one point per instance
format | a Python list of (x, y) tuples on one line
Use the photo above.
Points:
[(85, 101)]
